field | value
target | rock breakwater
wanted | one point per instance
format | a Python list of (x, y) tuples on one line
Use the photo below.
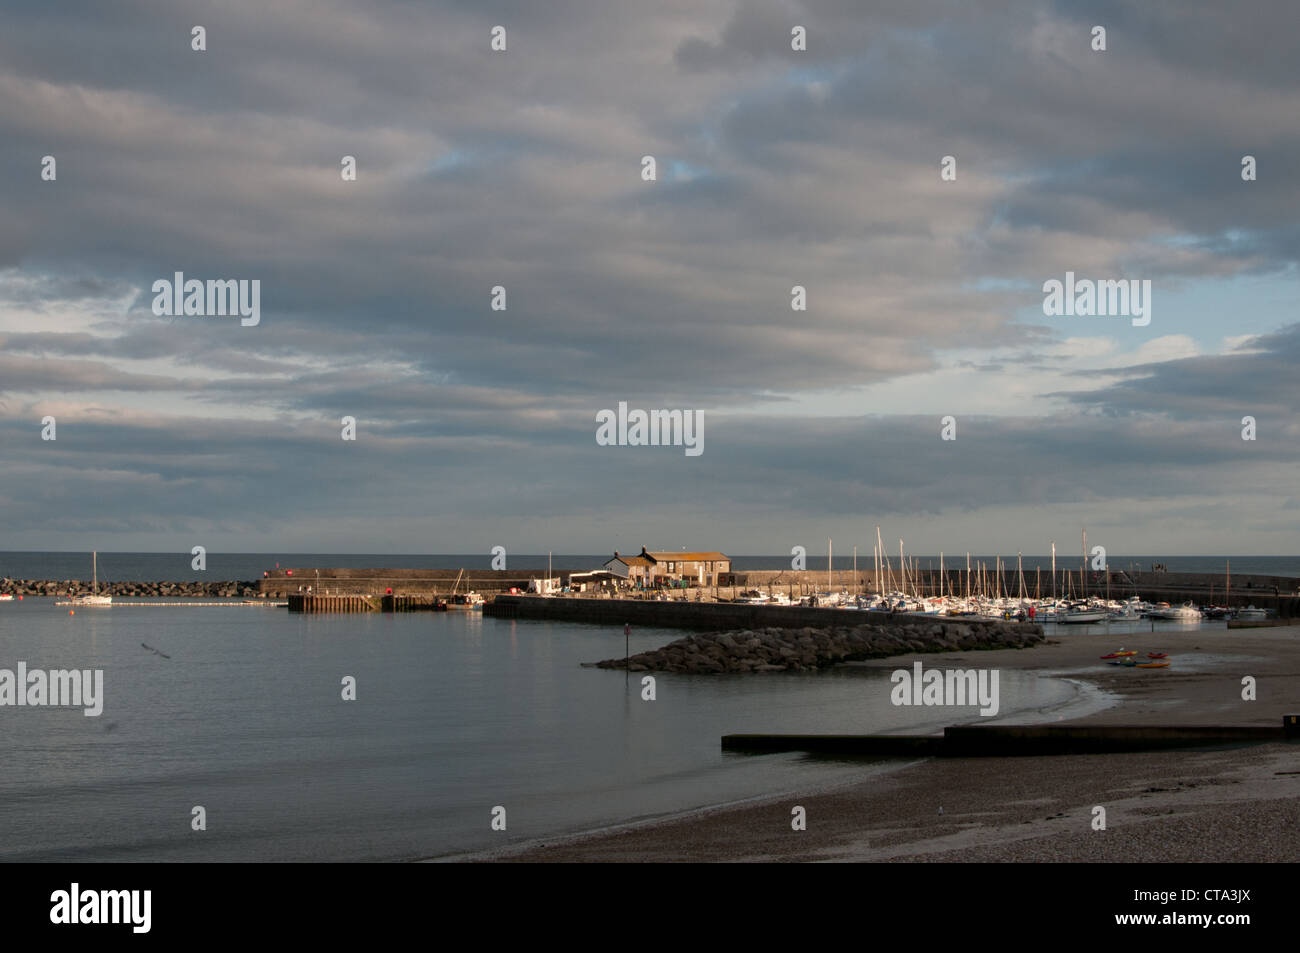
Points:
[(78, 587), (796, 650)]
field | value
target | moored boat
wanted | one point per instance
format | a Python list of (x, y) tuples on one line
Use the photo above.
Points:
[(1081, 615), (93, 600), (1184, 613), (465, 600)]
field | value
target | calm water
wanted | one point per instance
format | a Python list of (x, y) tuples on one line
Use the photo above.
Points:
[(175, 567), (455, 714)]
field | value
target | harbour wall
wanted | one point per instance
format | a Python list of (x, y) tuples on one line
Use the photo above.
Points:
[(377, 582), (1281, 594), (710, 616)]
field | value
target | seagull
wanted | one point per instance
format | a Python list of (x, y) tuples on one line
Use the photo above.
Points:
[(154, 650)]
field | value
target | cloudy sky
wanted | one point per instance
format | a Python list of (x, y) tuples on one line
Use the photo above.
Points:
[(523, 169)]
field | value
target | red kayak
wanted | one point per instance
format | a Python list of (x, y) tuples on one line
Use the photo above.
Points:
[(1157, 655)]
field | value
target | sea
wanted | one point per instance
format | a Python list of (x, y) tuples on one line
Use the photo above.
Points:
[(464, 734), (240, 710)]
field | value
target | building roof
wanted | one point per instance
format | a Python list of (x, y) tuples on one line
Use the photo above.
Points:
[(631, 561), (687, 557)]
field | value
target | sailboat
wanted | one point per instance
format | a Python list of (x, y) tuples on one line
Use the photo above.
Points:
[(94, 599)]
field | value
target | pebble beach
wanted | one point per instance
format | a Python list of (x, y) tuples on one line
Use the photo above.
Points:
[(1238, 804)]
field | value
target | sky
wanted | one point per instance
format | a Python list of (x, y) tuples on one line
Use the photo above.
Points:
[(523, 169)]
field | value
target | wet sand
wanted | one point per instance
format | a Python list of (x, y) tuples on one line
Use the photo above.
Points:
[(1240, 804)]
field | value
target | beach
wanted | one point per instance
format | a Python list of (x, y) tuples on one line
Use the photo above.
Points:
[(1228, 804)]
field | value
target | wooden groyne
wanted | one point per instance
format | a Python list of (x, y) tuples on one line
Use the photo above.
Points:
[(317, 602), (973, 741)]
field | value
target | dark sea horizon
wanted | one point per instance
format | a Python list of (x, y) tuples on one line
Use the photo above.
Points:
[(177, 567)]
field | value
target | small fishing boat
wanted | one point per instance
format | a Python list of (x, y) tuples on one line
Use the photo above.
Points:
[(6, 597), (1250, 612)]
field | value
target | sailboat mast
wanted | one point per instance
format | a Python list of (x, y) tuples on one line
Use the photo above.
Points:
[(94, 568), (1083, 581), (1053, 570)]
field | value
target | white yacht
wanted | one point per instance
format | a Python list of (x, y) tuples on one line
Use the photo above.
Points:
[(1082, 615), (1184, 613), (93, 599)]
